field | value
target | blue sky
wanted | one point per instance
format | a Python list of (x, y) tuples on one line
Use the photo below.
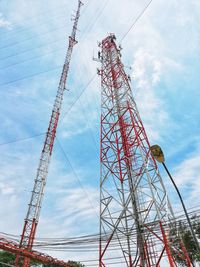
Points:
[(163, 51)]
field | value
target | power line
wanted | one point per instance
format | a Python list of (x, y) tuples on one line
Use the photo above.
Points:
[(96, 18), (89, 124), (55, 41), (33, 58), (85, 7), (110, 263), (31, 49), (30, 76), (136, 20), (33, 18), (90, 243), (12, 44), (65, 114), (30, 59), (94, 237), (76, 175), (21, 139), (28, 28), (93, 22), (81, 93), (33, 37)]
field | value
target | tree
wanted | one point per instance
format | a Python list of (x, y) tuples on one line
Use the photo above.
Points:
[(179, 232), (75, 264), (71, 264), (7, 258)]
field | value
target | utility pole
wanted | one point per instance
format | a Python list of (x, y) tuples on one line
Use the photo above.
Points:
[(32, 217)]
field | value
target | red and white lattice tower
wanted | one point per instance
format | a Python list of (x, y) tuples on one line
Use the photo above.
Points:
[(134, 207), (32, 217)]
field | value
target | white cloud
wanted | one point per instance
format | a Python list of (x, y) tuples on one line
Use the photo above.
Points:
[(189, 170), (147, 72), (82, 203), (146, 69), (5, 189), (187, 177), (4, 23)]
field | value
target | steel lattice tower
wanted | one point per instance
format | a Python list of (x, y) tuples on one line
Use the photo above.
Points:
[(32, 217), (134, 207)]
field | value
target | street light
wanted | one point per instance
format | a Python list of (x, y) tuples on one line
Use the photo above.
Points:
[(159, 156)]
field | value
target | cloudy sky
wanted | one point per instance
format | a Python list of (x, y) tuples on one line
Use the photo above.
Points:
[(162, 50)]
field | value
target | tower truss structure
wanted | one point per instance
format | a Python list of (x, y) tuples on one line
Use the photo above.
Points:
[(13, 247), (32, 217), (134, 207)]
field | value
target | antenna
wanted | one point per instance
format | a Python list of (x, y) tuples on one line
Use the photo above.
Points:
[(32, 217)]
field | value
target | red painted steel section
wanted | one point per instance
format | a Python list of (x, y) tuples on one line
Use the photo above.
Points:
[(41, 257), (187, 258), (167, 247)]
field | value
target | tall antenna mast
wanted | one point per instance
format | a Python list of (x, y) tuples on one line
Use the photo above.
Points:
[(134, 208), (32, 217)]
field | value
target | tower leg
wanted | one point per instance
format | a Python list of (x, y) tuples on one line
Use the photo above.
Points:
[(187, 258), (169, 255)]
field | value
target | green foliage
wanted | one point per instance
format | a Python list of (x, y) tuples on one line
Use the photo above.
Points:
[(9, 258), (71, 264), (181, 233), (6, 257), (75, 264)]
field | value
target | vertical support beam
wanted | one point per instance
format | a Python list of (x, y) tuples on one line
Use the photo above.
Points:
[(169, 255), (187, 258)]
